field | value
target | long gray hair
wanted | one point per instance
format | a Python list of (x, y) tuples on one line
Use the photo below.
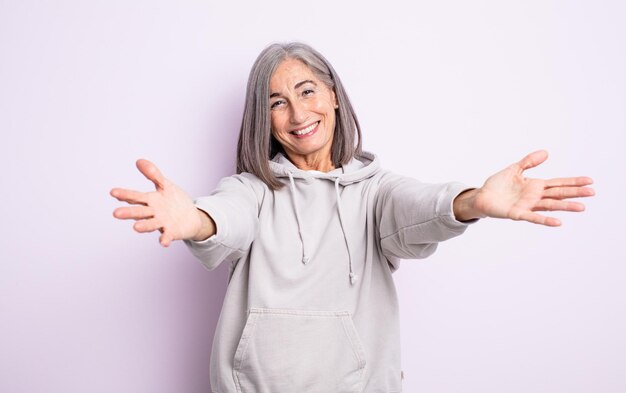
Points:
[(257, 145)]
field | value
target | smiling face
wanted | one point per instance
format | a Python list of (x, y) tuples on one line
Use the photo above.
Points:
[(302, 115)]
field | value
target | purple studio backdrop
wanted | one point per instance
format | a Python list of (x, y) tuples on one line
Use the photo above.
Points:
[(445, 91)]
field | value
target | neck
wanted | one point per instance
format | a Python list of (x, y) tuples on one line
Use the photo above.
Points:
[(321, 163)]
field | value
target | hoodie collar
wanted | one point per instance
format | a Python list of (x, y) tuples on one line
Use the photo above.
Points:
[(359, 168)]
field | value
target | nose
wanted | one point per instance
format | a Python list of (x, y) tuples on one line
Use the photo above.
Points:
[(298, 113)]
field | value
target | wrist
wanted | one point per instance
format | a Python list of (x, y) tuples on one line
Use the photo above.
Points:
[(464, 206), (207, 226)]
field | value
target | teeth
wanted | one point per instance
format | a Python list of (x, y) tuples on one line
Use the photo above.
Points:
[(306, 130)]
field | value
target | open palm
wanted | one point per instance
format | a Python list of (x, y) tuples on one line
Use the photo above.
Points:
[(508, 194), (167, 209)]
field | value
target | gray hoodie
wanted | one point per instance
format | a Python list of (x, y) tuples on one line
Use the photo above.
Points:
[(311, 305)]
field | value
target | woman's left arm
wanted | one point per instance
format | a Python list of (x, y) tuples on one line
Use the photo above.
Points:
[(508, 194)]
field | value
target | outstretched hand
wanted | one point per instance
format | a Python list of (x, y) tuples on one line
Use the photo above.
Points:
[(509, 194), (168, 209)]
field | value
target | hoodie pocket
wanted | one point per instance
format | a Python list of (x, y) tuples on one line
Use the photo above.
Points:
[(290, 351)]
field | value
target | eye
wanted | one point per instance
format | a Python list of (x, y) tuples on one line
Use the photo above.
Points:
[(276, 104), (308, 92)]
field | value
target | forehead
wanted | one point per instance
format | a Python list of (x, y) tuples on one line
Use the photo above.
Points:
[(289, 72)]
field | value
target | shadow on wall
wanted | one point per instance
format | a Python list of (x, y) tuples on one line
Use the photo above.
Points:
[(202, 293), (202, 290), (186, 299), (177, 304)]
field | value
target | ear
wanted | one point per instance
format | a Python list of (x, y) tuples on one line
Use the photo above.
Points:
[(334, 97)]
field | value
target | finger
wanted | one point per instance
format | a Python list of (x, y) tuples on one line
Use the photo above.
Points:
[(165, 239), (539, 219), (149, 225), (151, 172), (533, 159), (130, 196), (569, 181), (133, 212), (568, 192), (557, 205)]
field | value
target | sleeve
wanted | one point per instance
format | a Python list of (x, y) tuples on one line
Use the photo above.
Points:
[(233, 206), (413, 217)]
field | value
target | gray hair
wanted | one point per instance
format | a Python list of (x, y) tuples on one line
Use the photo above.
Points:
[(257, 145)]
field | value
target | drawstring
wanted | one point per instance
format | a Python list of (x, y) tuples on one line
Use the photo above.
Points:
[(353, 276), (305, 258)]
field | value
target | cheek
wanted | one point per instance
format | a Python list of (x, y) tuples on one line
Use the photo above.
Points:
[(275, 124), (326, 108), (321, 106)]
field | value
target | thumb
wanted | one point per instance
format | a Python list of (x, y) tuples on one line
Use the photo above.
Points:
[(151, 172), (533, 159)]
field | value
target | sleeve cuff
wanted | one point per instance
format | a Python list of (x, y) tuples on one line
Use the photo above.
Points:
[(454, 190), (220, 228)]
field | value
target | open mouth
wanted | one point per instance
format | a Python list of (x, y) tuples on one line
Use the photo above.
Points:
[(306, 131)]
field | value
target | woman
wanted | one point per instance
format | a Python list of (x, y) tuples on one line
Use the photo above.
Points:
[(314, 228)]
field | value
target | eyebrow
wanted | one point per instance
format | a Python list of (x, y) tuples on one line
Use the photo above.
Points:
[(296, 86)]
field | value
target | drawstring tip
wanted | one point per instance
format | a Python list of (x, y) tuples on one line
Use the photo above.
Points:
[(305, 259), (353, 278)]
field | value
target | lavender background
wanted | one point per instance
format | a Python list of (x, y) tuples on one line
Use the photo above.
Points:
[(446, 90)]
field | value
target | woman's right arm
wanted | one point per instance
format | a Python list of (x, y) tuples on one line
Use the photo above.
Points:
[(217, 227), (168, 209)]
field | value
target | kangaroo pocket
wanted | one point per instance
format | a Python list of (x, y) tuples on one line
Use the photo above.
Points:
[(286, 351)]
